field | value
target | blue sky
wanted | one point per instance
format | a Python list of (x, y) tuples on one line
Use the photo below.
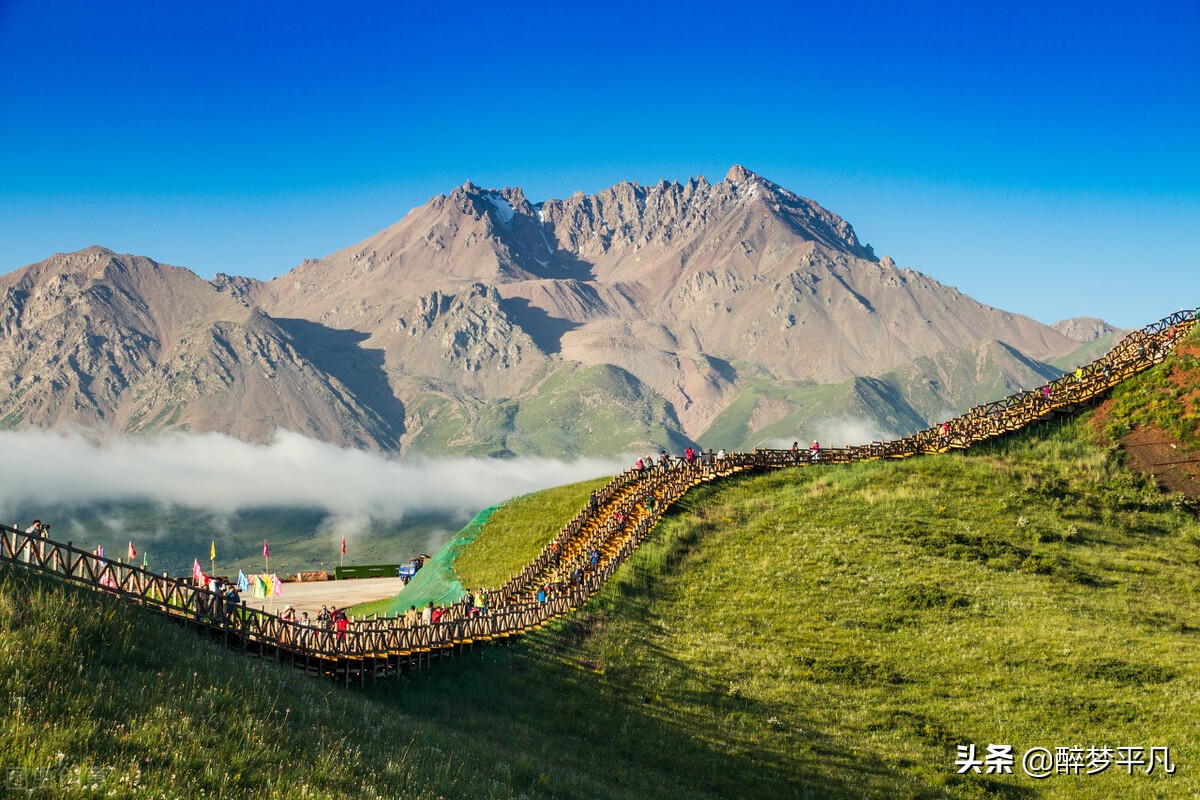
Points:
[(1042, 157)]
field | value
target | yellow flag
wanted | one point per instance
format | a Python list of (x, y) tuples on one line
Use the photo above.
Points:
[(212, 551)]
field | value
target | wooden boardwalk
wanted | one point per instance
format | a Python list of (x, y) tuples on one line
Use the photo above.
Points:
[(625, 513)]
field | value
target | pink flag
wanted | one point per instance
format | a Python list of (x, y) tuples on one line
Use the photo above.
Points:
[(276, 586), (343, 545), (132, 552), (197, 575), (266, 550)]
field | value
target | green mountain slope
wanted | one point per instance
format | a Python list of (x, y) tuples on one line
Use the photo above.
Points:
[(956, 379), (575, 411), (767, 415)]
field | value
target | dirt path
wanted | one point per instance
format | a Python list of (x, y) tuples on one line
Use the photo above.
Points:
[(311, 596), (1156, 453)]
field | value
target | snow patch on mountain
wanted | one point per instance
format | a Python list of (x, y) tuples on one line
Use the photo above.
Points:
[(504, 209)]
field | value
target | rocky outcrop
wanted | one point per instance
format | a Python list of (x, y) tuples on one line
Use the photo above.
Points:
[(1085, 329), (111, 342)]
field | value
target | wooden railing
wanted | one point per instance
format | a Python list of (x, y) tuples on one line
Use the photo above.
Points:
[(586, 552)]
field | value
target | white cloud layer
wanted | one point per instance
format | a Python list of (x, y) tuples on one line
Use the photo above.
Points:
[(838, 432), (224, 475)]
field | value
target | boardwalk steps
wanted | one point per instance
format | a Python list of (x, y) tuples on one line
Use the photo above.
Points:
[(627, 510)]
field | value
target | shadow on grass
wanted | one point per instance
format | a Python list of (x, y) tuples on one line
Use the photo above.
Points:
[(572, 732), (593, 706)]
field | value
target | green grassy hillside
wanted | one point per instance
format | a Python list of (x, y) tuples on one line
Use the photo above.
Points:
[(829, 633), (832, 632), (518, 531)]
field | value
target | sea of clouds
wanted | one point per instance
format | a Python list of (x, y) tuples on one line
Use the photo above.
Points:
[(225, 475)]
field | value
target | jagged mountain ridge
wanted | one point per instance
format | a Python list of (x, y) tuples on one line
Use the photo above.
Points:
[(114, 342), (686, 294), (674, 283)]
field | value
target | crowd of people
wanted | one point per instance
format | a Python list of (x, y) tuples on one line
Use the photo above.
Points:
[(689, 457)]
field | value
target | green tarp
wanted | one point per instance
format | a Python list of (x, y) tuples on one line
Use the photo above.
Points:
[(437, 582)]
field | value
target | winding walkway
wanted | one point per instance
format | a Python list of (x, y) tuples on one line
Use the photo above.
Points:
[(626, 511)]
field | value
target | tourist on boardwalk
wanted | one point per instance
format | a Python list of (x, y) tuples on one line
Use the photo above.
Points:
[(342, 623), (816, 452), (427, 614), (288, 618), (594, 558), (233, 599), (541, 596), (721, 454), (38, 530), (412, 617), (437, 615), (481, 601), (795, 452), (593, 503), (302, 629), (324, 617)]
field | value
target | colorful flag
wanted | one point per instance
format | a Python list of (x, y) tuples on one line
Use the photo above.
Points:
[(145, 565), (132, 553), (212, 551), (276, 586), (243, 583), (343, 545), (260, 587), (197, 576), (100, 551), (266, 550)]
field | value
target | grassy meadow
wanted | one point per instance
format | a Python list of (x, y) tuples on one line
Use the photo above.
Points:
[(813, 633), (518, 531)]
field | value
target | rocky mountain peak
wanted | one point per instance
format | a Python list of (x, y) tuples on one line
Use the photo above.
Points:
[(1085, 329), (685, 293), (739, 174)]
